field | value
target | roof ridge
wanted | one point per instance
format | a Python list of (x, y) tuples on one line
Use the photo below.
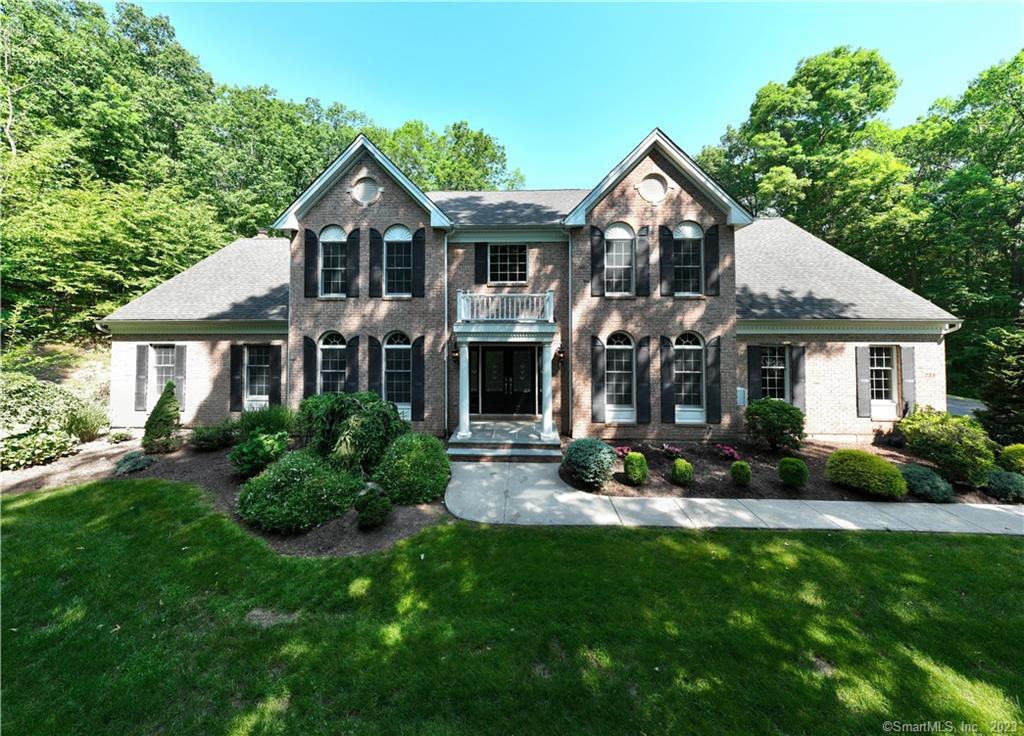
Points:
[(507, 191)]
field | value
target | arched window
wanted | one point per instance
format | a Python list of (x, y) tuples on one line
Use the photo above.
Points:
[(333, 262), (398, 372), (688, 375), (398, 261), (332, 363), (620, 374), (688, 258), (619, 249)]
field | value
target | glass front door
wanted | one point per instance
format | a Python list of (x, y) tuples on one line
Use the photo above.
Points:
[(507, 380)]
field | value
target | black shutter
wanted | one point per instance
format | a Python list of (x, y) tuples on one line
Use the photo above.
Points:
[(666, 261), (596, 379), (308, 367), (863, 382), (237, 365), (352, 365), (909, 385), (668, 384), (713, 370), (141, 376), (179, 374), (711, 261), (643, 381), (597, 265), (417, 379), (352, 264), (797, 392), (376, 264), (275, 375), (373, 366), (643, 262), (480, 264), (753, 373), (419, 261), (311, 266)]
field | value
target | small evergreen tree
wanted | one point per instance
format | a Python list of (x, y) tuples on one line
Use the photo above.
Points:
[(163, 423), (1003, 386)]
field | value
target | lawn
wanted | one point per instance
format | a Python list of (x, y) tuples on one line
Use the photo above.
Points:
[(125, 611)]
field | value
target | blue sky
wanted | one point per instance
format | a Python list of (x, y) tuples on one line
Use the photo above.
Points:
[(570, 89)]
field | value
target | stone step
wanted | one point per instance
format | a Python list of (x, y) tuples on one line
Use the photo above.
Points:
[(506, 444), (504, 454)]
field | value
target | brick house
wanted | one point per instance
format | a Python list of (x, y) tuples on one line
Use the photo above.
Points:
[(651, 306)]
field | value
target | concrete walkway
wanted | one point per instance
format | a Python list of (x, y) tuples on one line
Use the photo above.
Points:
[(533, 493)]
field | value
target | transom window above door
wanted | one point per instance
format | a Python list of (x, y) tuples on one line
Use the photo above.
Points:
[(398, 261), (619, 252), (506, 264), (333, 263)]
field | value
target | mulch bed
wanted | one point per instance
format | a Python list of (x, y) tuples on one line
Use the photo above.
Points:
[(711, 474)]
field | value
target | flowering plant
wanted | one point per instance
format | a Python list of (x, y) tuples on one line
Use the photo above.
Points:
[(622, 451), (671, 451), (728, 452)]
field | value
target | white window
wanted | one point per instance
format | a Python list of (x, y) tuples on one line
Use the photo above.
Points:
[(620, 372), (333, 262), (619, 248), (398, 372), (257, 377), (506, 264), (773, 372), (398, 261), (332, 364), (163, 366), (882, 364), (688, 376), (688, 258)]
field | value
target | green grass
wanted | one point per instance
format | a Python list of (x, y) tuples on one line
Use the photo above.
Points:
[(124, 607)]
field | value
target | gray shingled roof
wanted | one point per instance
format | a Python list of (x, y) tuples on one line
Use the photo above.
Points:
[(246, 280), (784, 272), (521, 207)]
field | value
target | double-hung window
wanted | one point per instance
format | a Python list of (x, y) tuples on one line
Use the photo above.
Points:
[(398, 261), (620, 384), (773, 372), (332, 363), (619, 252), (506, 264), (398, 372), (333, 262), (163, 366), (688, 377), (257, 377), (688, 259)]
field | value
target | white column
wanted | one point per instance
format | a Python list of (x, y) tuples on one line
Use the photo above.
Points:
[(547, 431), (463, 433)]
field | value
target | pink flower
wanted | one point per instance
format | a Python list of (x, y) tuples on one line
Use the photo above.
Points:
[(622, 450)]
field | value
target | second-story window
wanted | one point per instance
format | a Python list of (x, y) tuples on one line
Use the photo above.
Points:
[(506, 264), (333, 264), (688, 258), (398, 261), (619, 249)]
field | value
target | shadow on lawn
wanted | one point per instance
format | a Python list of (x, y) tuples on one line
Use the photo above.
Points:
[(510, 630)]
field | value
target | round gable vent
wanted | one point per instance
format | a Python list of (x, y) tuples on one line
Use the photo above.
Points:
[(652, 188), (366, 191)]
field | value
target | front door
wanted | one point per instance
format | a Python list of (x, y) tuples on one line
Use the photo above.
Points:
[(508, 380)]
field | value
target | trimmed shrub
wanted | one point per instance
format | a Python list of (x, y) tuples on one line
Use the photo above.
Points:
[(121, 435), (926, 484), (163, 423), (775, 422), (214, 437), (34, 421), (1005, 486), (740, 473), (320, 418), (296, 493), (374, 512), (269, 420), (682, 472), (793, 472), (133, 462), (863, 471), (958, 446), (414, 469), (635, 465), (365, 435), (86, 422), (1012, 458), (256, 453), (589, 463)]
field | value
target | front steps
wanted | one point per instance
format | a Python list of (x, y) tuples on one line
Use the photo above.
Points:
[(503, 452)]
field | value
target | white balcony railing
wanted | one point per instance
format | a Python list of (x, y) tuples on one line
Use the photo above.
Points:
[(471, 307)]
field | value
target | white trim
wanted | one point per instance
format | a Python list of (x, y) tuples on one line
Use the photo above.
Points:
[(842, 326), (737, 216), (320, 265), (703, 285), (470, 234), (384, 270), (526, 278), (632, 261), (289, 219)]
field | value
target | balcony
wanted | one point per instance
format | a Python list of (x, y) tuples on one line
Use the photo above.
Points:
[(518, 308)]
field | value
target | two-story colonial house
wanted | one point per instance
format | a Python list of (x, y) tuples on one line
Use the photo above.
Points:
[(653, 305)]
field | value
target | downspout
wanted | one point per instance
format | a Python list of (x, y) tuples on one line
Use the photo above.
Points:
[(572, 337), (444, 346), (949, 330)]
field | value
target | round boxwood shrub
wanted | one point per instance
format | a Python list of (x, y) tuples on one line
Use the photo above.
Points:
[(958, 446), (682, 472), (367, 432), (163, 423), (926, 484), (589, 463), (793, 472), (775, 422), (866, 472), (256, 453), (1005, 486), (1012, 458), (415, 469), (34, 421), (635, 465), (214, 437), (296, 493), (740, 473), (372, 510)]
